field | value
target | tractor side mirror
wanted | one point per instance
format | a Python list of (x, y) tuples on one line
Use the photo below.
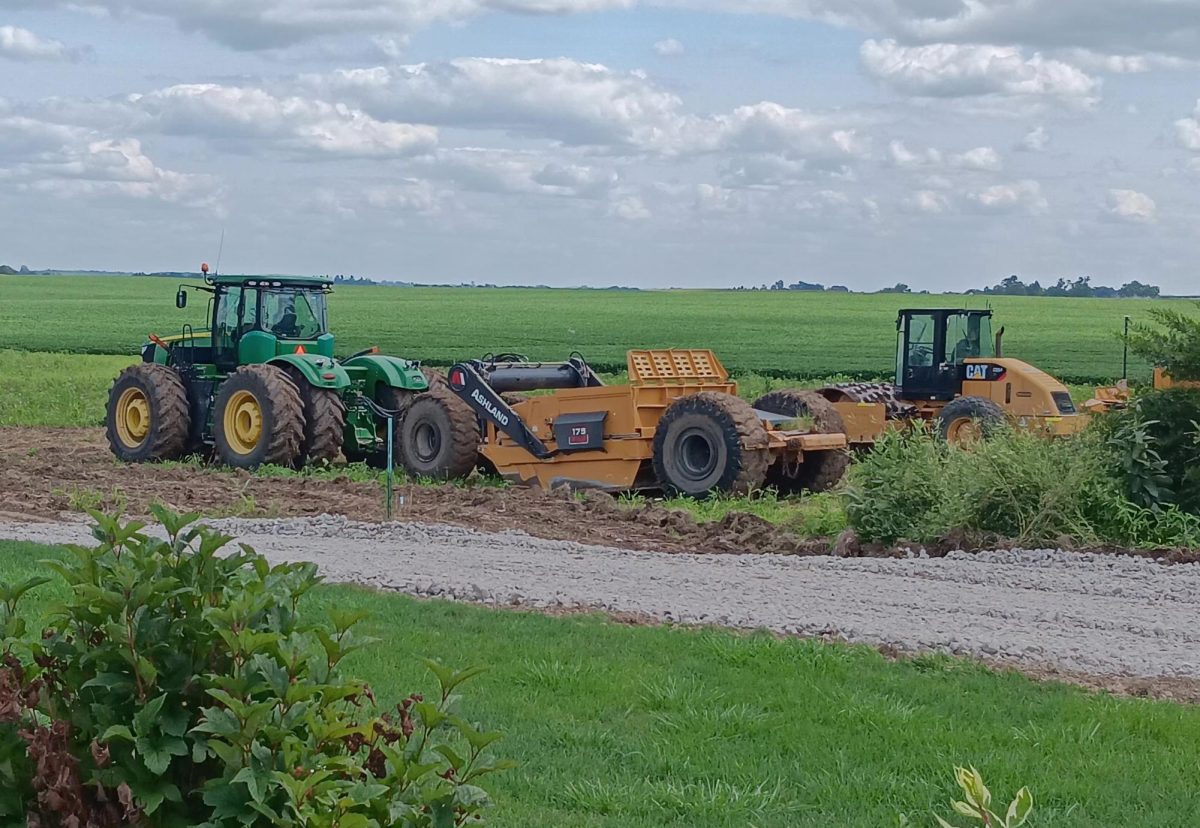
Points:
[(181, 298)]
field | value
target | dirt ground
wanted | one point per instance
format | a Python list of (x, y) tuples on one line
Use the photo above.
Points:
[(47, 471)]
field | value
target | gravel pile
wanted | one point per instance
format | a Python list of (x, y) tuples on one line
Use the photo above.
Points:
[(1099, 614)]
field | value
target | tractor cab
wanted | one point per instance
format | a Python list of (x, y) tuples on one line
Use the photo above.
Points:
[(252, 320), (933, 347)]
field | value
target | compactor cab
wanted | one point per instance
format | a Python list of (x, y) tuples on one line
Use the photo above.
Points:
[(933, 347), (950, 372)]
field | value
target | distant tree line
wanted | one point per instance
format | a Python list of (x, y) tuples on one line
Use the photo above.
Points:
[(899, 287), (1013, 286)]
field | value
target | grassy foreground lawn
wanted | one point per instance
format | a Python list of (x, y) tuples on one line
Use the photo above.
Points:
[(626, 726)]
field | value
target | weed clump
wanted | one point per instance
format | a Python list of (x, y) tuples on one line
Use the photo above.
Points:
[(1013, 486)]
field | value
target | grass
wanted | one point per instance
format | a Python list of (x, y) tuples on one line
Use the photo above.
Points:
[(55, 389), (641, 727), (769, 333), (813, 515)]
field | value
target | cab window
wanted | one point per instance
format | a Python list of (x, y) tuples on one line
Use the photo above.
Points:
[(232, 320), (293, 314), (921, 330), (968, 336)]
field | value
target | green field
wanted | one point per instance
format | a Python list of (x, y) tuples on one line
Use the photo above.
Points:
[(788, 334), (640, 727)]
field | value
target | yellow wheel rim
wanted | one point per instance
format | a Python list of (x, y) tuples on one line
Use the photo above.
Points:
[(133, 417), (243, 422), (964, 430)]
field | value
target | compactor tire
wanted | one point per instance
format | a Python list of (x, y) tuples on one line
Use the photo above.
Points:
[(710, 442), (969, 418), (820, 471), (258, 418), (148, 417), (439, 437)]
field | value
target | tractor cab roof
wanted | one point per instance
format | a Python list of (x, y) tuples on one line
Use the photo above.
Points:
[(980, 311), (312, 282)]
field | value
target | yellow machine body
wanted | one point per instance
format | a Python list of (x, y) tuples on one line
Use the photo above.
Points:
[(657, 378)]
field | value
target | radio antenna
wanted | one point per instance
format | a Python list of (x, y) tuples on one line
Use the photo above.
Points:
[(220, 250)]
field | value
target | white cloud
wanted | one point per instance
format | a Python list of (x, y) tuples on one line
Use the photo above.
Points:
[(1187, 130), (770, 127), (519, 172), (1130, 205), (21, 44), (902, 156), (928, 201), (562, 99), (630, 208), (980, 158), (713, 198), (1036, 140), (300, 124), (583, 104), (948, 70), (1108, 27), (73, 161), (669, 48), (1130, 32), (248, 119), (1025, 196)]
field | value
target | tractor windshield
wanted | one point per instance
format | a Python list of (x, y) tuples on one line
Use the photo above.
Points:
[(968, 335), (293, 314)]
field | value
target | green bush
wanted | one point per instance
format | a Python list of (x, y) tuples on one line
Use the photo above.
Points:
[(181, 687), (1158, 443), (1172, 341), (1013, 486)]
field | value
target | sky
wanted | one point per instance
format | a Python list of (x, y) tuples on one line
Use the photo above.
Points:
[(653, 143)]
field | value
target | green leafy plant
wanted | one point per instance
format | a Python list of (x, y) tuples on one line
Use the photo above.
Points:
[(180, 684), (977, 800), (1171, 340), (1145, 471)]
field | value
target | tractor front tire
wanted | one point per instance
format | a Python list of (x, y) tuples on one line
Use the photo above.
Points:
[(258, 418), (439, 436), (819, 471), (710, 442), (148, 417), (967, 419)]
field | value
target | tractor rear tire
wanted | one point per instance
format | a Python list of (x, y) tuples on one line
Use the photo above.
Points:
[(819, 471), (710, 442), (258, 418), (324, 422), (439, 437), (434, 377), (148, 417), (966, 419)]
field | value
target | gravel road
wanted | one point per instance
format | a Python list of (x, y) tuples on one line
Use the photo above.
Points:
[(1097, 614)]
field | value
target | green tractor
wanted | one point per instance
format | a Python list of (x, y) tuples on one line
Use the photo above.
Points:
[(260, 384)]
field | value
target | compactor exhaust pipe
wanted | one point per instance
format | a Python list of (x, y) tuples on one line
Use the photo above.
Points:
[(999, 337)]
